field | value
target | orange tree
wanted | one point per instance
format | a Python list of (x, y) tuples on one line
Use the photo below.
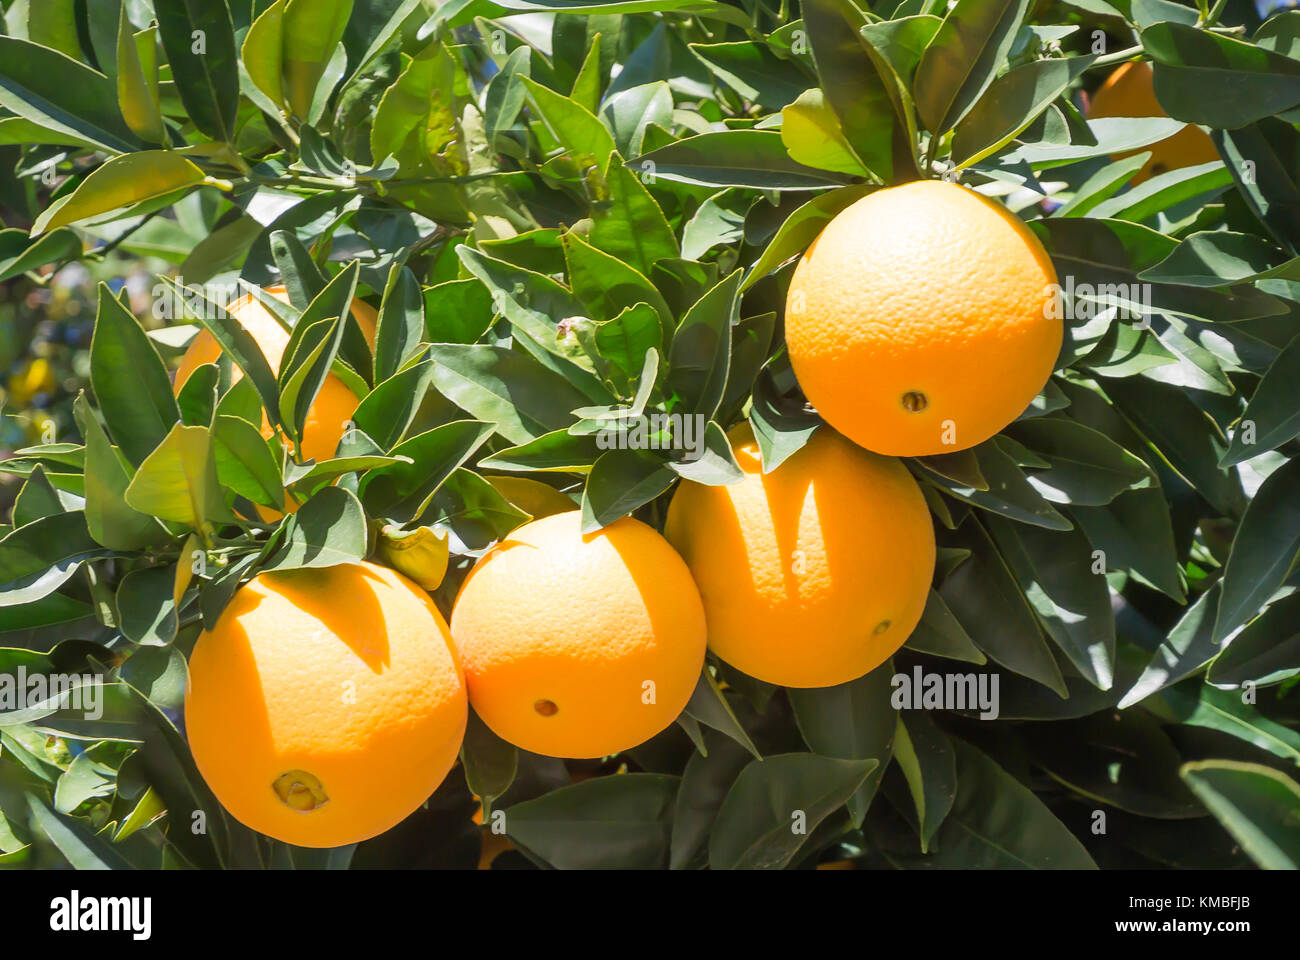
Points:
[(980, 404)]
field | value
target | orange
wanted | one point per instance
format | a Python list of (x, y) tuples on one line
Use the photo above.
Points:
[(579, 645), (334, 405), (815, 573), (1130, 92), (923, 319), (326, 704)]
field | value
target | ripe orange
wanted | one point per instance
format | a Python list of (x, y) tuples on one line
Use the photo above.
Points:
[(1130, 92), (815, 573), (579, 646), (334, 405), (923, 320), (326, 704)]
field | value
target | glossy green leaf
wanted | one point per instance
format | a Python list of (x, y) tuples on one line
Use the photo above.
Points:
[(311, 31), (178, 480), (851, 721), (603, 822), (776, 803), (1263, 551), (199, 39), (1258, 805)]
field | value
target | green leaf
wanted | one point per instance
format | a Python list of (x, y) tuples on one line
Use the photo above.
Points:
[(988, 602), (327, 530), (776, 803), (619, 482), (632, 227), (109, 519), (628, 113), (1266, 651), (505, 94), (416, 123), (236, 342), (1219, 258), (54, 24), (198, 396), (851, 721), (1165, 191), (712, 225), (1273, 415), (303, 280), (1009, 492), (558, 451), (1258, 805), (476, 511), (1112, 135), (403, 491), (143, 181), (19, 252), (708, 705), (505, 387), (998, 823), (38, 558), (1135, 533), (1200, 705), (312, 349), (1188, 647), (387, 411), (941, 635), (401, 322), (1011, 103), (753, 71), (146, 605), (1267, 183), (199, 39), (929, 764), (1263, 551), (1190, 66), (61, 94), (626, 342), (575, 128), (813, 136), (1086, 467), (715, 465), (733, 158), (490, 763), (535, 305), (140, 409), (74, 840), (607, 286), (855, 89), (781, 426), (137, 81), (604, 822), (801, 228), (1124, 759), (457, 311), (312, 30), (705, 783), (178, 480), (245, 462), (1103, 185), (263, 52), (36, 499), (963, 58), (701, 349)]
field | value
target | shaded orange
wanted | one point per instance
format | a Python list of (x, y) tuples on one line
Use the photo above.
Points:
[(815, 573), (579, 646)]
